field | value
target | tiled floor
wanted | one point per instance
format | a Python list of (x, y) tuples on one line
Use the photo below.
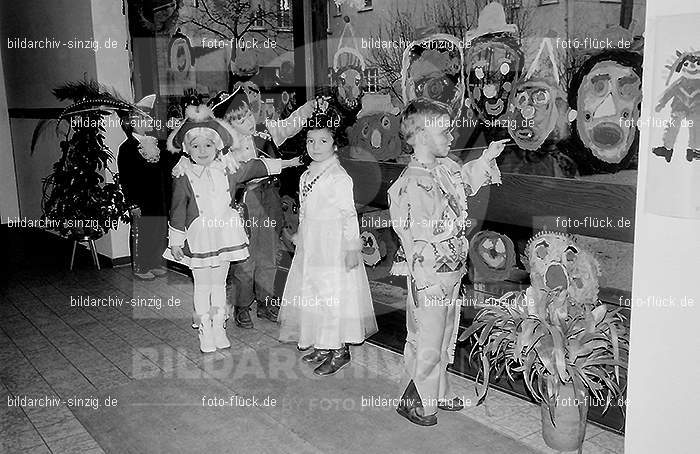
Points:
[(50, 347)]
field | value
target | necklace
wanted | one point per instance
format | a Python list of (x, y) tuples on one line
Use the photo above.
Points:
[(307, 186), (421, 163)]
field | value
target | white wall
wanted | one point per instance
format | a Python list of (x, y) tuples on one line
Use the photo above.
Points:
[(113, 69), (31, 74), (664, 370), (9, 203)]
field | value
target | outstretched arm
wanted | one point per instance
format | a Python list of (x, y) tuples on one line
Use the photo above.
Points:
[(281, 130), (483, 170)]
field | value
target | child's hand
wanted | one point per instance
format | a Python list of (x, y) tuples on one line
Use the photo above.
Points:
[(495, 149), (230, 162), (294, 162), (177, 252), (352, 260), (307, 110)]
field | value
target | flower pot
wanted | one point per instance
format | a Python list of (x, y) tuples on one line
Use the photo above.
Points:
[(569, 428)]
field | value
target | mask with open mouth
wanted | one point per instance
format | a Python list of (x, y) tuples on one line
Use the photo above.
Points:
[(533, 106), (608, 101), (533, 114), (561, 273)]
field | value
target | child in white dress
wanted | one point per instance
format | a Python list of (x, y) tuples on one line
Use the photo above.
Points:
[(205, 232), (326, 302)]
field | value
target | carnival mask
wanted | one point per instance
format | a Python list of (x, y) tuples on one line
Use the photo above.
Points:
[(533, 106), (348, 81), (373, 249), (533, 114), (559, 266), (432, 68), (491, 255), (378, 134), (608, 109), (494, 64)]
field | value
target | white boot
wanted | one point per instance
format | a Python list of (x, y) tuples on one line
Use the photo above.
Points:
[(220, 339), (206, 336)]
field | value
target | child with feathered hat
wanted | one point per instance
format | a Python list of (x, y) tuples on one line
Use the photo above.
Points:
[(252, 282), (205, 232)]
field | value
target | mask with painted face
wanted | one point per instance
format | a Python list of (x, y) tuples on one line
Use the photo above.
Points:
[(348, 81), (433, 68), (533, 106), (349, 67), (561, 273), (608, 102), (494, 63)]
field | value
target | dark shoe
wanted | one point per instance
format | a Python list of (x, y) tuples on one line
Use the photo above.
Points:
[(454, 404), (267, 312), (415, 415), (663, 152), (338, 359), (692, 154), (316, 356), (242, 317)]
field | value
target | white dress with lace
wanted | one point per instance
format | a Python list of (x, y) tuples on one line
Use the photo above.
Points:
[(325, 305)]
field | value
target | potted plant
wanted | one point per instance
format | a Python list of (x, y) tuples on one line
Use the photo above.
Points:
[(77, 200), (567, 345)]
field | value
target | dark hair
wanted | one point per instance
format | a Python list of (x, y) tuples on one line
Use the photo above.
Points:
[(330, 120)]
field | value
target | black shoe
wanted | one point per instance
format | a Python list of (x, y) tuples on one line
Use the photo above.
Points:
[(663, 152), (316, 356), (267, 312), (454, 404), (242, 317), (338, 359), (692, 154), (415, 415)]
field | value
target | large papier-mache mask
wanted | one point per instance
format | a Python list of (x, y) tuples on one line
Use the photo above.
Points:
[(433, 68), (494, 63), (491, 256), (608, 98), (348, 72), (375, 133), (562, 273), (536, 100)]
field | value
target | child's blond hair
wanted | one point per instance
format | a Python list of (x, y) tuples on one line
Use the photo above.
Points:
[(416, 113)]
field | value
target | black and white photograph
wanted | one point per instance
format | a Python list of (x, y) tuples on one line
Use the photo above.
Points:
[(349, 226)]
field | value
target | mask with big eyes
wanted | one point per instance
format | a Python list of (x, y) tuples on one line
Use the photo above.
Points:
[(433, 68), (373, 249), (559, 266), (494, 63), (377, 135), (532, 113), (491, 256), (440, 89), (608, 109), (349, 84)]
